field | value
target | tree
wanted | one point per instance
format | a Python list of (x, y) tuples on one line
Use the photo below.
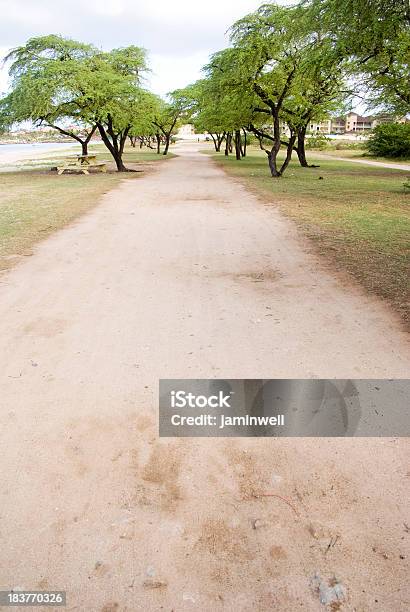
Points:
[(226, 102), (114, 96), (38, 70), (170, 113), (271, 48), (295, 72), (142, 127), (205, 112), (319, 89), (56, 79), (375, 35), (390, 140)]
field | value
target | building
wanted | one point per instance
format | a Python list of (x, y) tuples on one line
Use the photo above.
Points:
[(186, 131), (351, 124), (343, 125), (324, 127), (338, 125), (358, 123)]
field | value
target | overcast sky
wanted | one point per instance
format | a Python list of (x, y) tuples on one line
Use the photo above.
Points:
[(178, 34)]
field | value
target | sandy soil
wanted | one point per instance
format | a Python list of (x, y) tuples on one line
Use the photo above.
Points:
[(158, 281), (393, 165), (11, 154)]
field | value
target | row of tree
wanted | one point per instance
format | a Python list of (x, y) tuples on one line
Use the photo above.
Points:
[(289, 66), (79, 90), (286, 66)]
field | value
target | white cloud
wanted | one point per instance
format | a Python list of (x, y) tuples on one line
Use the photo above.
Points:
[(108, 7), (178, 34), (169, 73), (3, 73)]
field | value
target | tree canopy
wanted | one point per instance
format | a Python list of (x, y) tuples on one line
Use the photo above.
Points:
[(56, 81), (286, 66)]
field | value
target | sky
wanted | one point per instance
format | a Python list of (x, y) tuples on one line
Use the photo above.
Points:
[(179, 35)]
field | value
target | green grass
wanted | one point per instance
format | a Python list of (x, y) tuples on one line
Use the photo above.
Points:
[(131, 155), (357, 215), (36, 202)]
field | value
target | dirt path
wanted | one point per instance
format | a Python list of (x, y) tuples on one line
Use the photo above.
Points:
[(159, 281), (394, 166)]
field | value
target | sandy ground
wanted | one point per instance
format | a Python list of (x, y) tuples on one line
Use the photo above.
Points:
[(158, 281), (394, 166), (11, 154)]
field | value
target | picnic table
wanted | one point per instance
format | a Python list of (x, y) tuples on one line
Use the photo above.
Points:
[(81, 163)]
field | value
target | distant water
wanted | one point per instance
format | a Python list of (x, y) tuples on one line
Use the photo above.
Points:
[(15, 149)]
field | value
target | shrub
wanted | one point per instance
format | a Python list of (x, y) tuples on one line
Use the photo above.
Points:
[(350, 145), (317, 141), (390, 140)]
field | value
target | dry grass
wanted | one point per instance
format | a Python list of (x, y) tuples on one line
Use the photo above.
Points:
[(357, 216), (36, 202)]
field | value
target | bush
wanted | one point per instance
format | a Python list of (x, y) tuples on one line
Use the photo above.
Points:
[(350, 145), (390, 140), (317, 141)]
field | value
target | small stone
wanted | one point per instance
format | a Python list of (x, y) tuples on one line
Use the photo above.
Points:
[(319, 531), (258, 523)]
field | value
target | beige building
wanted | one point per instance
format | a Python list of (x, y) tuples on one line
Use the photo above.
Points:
[(186, 131), (334, 125), (351, 124), (358, 123)]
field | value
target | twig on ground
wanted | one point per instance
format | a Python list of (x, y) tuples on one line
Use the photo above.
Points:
[(282, 498)]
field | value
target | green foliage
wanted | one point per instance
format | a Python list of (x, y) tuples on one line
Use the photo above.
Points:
[(148, 108), (317, 141), (293, 72), (375, 36), (390, 140), (57, 80)]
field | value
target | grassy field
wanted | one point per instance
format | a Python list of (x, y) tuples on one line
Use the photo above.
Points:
[(357, 215), (34, 202)]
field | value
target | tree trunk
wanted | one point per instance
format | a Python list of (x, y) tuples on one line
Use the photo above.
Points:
[(112, 145), (245, 143), (272, 154), (238, 148), (167, 141), (83, 142), (300, 148), (119, 163), (289, 151), (215, 141), (220, 139), (228, 148), (149, 145), (158, 138)]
